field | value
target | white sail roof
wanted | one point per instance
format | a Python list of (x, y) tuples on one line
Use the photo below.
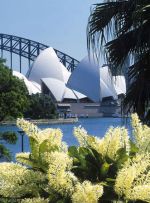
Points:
[(68, 94), (94, 82), (56, 87), (46, 65), (79, 95), (36, 85), (65, 72), (31, 86), (60, 91), (120, 84), (106, 91), (107, 87), (85, 79)]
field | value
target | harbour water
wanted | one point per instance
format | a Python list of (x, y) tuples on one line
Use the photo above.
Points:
[(94, 126)]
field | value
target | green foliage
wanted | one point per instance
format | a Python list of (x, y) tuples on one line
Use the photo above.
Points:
[(86, 163), (5, 154), (40, 107), (121, 30), (6, 138), (13, 94), (90, 165), (13, 102), (9, 137)]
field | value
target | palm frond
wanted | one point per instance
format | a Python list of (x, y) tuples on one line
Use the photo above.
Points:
[(138, 95), (131, 43), (106, 20), (121, 29)]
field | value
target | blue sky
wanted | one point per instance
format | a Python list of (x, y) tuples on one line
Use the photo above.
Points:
[(58, 23)]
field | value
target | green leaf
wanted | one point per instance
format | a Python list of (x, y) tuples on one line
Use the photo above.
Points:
[(97, 155), (9, 137), (121, 152), (109, 160), (133, 148), (76, 161), (110, 179), (73, 152), (34, 148), (46, 146), (122, 157), (25, 161), (104, 169), (5, 154), (83, 151)]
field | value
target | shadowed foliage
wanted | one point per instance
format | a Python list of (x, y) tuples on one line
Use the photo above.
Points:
[(40, 107), (6, 138), (13, 94)]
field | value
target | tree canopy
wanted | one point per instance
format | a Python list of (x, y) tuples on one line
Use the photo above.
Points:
[(15, 100), (122, 29), (40, 107), (13, 94)]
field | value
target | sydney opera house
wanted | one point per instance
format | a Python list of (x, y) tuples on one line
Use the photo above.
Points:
[(89, 90)]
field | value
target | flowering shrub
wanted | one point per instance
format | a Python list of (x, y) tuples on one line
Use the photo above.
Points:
[(112, 168)]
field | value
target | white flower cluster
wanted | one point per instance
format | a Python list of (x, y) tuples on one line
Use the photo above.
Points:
[(141, 134), (115, 139), (133, 180), (29, 128), (35, 200), (81, 134), (16, 180), (87, 192), (48, 149), (59, 175), (53, 135), (42, 142)]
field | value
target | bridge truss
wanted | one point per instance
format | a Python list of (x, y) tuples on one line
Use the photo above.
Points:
[(30, 49)]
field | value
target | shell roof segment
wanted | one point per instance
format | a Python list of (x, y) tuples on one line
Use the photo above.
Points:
[(46, 65), (32, 87), (85, 79)]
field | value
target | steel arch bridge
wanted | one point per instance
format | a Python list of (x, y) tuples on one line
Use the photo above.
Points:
[(30, 49)]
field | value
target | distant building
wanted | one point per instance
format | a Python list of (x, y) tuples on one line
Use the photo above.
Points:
[(88, 90)]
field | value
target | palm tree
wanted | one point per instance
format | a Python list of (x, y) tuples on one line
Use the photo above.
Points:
[(121, 29)]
